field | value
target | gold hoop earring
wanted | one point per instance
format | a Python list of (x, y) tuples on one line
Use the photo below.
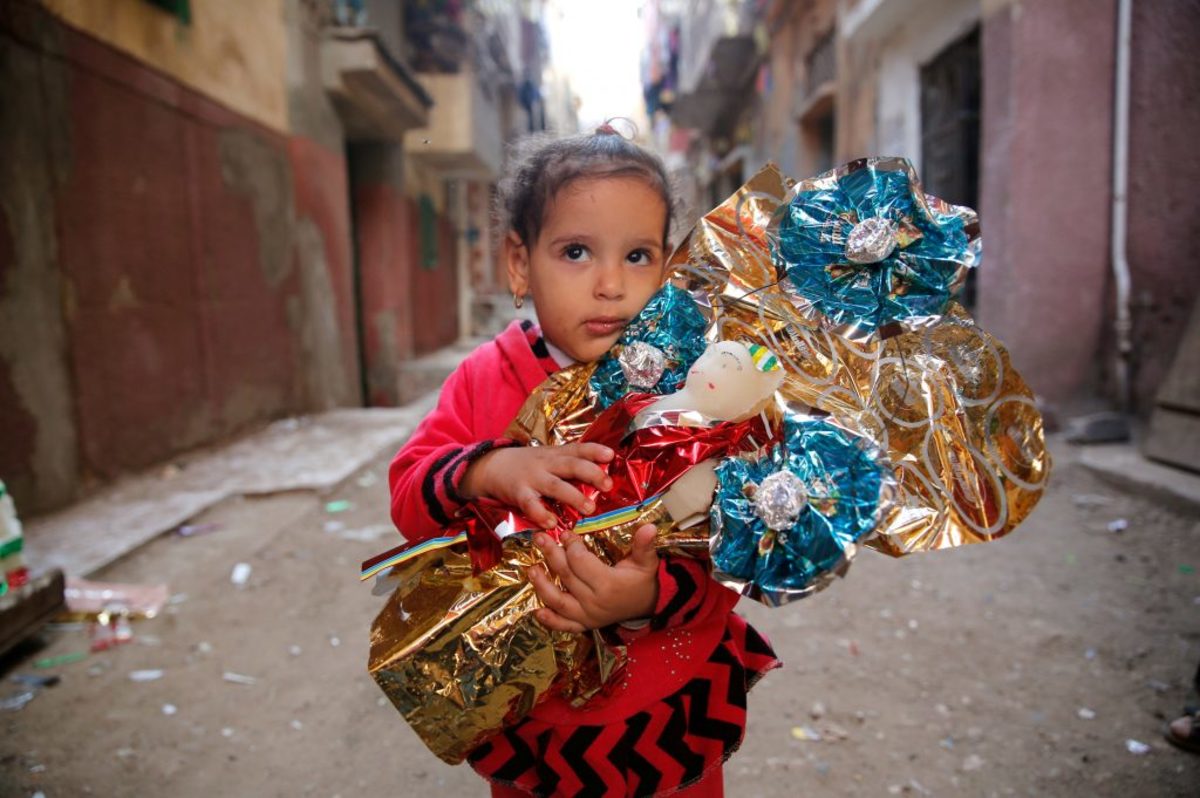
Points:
[(518, 301)]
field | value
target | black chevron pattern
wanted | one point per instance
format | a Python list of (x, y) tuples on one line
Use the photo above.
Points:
[(625, 756), (684, 592), (548, 777), (703, 724), (673, 741), (574, 753)]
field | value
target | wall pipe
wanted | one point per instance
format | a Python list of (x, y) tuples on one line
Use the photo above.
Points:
[(1123, 324)]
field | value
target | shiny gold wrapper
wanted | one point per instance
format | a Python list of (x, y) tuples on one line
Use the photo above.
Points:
[(956, 420), (959, 425), (461, 655)]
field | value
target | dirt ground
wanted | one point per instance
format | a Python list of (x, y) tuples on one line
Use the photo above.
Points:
[(1021, 667)]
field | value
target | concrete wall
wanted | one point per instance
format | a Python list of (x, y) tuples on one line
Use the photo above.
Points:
[(233, 51), (1164, 172), (1046, 188), (174, 269)]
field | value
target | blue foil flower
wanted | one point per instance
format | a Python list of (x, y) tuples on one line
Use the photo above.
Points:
[(863, 247), (655, 350), (785, 525)]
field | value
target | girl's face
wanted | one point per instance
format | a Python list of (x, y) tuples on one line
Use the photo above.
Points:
[(598, 260)]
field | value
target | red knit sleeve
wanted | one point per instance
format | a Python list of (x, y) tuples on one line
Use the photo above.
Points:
[(425, 474)]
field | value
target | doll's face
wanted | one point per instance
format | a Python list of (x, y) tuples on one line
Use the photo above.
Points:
[(724, 383)]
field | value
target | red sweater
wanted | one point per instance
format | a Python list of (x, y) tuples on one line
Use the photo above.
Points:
[(477, 403)]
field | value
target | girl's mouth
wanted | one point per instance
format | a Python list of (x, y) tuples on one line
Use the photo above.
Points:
[(604, 325)]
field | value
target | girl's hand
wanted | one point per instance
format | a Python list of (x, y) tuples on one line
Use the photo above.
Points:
[(521, 475), (594, 595)]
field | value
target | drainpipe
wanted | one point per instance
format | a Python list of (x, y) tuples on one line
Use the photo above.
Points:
[(1120, 180)]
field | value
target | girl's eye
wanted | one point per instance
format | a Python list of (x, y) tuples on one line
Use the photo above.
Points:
[(575, 252), (639, 257)]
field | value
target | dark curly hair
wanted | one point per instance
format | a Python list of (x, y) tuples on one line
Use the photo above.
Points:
[(541, 166)]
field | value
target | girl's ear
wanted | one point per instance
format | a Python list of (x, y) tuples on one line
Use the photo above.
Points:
[(516, 257)]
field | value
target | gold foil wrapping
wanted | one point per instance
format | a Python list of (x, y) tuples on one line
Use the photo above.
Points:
[(957, 422), (461, 655)]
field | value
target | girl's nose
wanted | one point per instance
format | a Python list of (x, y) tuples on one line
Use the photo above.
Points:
[(610, 281)]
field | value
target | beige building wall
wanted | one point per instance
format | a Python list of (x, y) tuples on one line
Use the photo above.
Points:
[(232, 51)]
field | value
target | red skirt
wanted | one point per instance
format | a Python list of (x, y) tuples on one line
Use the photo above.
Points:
[(667, 746)]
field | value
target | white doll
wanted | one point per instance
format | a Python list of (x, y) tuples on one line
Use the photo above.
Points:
[(729, 382)]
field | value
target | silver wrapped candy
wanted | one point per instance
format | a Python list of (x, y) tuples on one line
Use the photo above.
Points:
[(642, 364), (779, 499), (870, 241)]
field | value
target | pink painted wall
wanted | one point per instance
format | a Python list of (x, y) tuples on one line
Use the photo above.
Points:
[(1045, 188)]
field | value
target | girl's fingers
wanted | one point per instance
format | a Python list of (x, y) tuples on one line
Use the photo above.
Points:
[(584, 566), (530, 502), (552, 620), (564, 605), (559, 565), (584, 470), (555, 488), (597, 453)]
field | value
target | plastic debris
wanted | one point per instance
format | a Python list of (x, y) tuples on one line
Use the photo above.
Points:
[(238, 678), (88, 600), (1090, 500), (126, 753), (35, 680), (339, 506), (335, 641), (1136, 747), (191, 530), (227, 732), (109, 631), (1090, 654), (17, 701), (947, 743), (366, 534), (61, 659), (240, 574), (1187, 569), (366, 479), (1118, 525), (148, 675), (333, 527), (294, 650), (169, 709), (297, 725), (204, 647), (1086, 713), (807, 733), (818, 711)]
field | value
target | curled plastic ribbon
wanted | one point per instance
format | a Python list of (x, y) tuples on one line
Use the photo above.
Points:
[(784, 525), (863, 247), (655, 350)]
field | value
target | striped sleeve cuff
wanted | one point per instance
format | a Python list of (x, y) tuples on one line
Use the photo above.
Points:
[(440, 486)]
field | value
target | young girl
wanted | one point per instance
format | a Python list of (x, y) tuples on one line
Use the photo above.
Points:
[(588, 219)]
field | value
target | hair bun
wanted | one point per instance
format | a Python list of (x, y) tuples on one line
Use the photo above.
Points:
[(609, 129)]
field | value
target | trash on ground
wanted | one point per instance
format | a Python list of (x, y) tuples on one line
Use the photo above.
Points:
[(1118, 525), (972, 762), (297, 725), (335, 641), (366, 534), (17, 701), (61, 659), (87, 600), (1136, 747), (333, 527), (241, 574), (294, 650), (238, 678), (148, 675), (35, 680), (1187, 569), (807, 733), (1091, 500), (366, 480), (339, 506), (169, 709), (108, 631), (1086, 713), (191, 530)]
